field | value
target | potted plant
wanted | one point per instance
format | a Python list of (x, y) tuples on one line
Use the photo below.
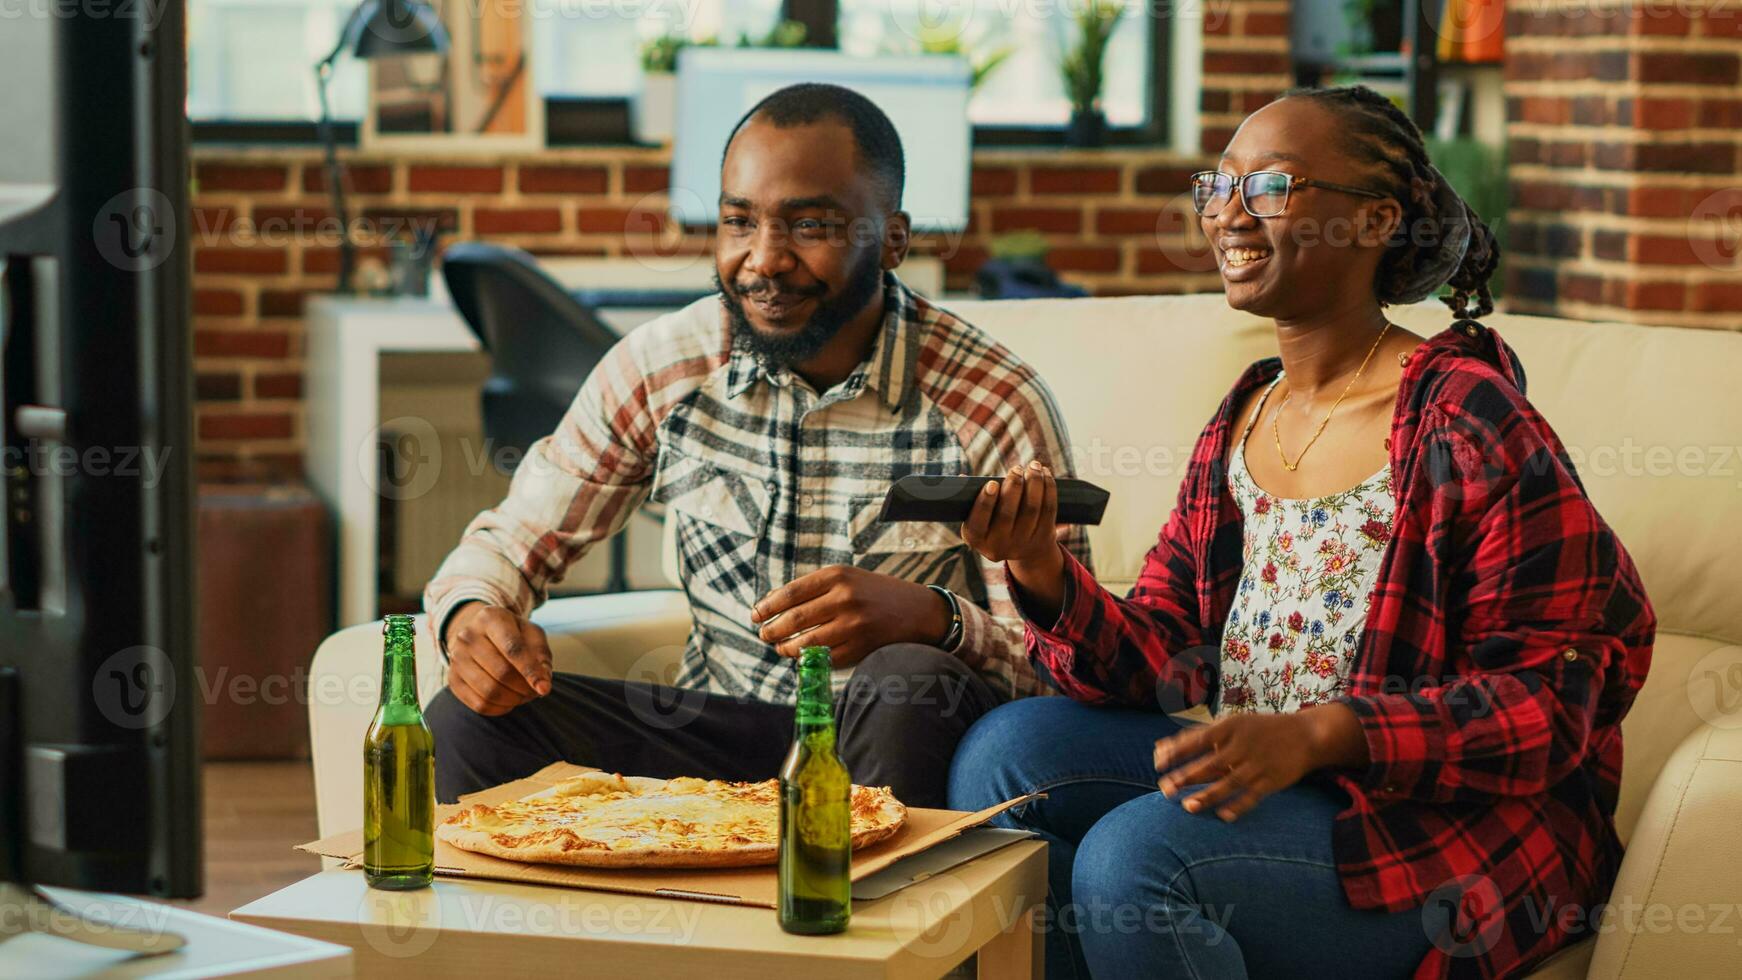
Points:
[(653, 111), (654, 108), (1082, 68), (785, 34), (981, 60)]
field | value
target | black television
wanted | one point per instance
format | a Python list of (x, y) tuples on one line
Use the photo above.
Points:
[(99, 758)]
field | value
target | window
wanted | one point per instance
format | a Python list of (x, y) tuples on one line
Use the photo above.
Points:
[(588, 49), (1024, 89), (251, 62), (255, 60)]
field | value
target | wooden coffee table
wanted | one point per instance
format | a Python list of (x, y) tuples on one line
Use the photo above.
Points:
[(474, 929)]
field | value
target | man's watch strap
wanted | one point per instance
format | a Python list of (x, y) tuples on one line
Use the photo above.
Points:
[(953, 638)]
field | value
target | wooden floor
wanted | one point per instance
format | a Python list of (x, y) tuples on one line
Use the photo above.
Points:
[(255, 813)]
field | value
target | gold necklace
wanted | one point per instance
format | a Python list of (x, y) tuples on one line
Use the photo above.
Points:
[(1275, 419)]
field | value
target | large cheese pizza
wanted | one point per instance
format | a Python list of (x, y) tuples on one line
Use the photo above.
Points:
[(605, 820)]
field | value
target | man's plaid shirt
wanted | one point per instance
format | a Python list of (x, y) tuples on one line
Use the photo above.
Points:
[(1507, 636), (768, 481)]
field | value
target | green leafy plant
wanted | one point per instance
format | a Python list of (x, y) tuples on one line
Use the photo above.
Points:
[(1358, 17), (786, 34), (659, 55), (1477, 171), (981, 62), (1082, 66)]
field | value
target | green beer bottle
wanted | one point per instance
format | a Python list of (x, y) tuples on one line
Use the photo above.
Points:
[(816, 831), (398, 774)]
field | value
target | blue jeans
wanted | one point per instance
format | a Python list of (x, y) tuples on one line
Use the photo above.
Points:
[(1141, 888)]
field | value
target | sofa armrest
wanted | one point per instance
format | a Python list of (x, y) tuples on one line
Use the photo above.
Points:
[(1673, 912), (632, 634)]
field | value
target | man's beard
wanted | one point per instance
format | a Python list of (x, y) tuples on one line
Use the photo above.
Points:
[(787, 349)]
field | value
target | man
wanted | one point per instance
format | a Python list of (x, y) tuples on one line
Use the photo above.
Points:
[(770, 421)]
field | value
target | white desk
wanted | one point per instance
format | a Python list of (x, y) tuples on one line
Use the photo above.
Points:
[(345, 340)]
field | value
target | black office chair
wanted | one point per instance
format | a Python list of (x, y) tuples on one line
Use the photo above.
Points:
[(542, 344)]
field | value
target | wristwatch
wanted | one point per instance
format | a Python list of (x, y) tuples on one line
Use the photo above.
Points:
[(953, 638)]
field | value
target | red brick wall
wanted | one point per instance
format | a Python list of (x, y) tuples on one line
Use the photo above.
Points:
[(1622, 120), (1246, 64), (265, 238)]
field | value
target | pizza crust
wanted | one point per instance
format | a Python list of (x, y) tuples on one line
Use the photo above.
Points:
[(607, 820)]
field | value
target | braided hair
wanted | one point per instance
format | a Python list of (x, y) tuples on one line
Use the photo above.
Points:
[(1379, 133)]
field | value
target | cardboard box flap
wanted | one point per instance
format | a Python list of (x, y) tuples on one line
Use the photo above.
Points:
[(743, 886)]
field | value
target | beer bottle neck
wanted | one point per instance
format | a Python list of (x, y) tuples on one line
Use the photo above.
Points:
[(399, 665), (816, 700)]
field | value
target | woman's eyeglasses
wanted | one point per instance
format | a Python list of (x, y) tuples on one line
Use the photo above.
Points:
[(1263, 193)]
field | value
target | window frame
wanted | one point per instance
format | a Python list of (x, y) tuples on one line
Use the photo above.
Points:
[(604, 120)]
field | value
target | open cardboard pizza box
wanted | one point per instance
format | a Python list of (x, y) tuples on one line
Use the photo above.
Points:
[(875, 870)]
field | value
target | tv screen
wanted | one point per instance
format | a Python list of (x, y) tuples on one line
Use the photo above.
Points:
[(99, 771), (925, 96)]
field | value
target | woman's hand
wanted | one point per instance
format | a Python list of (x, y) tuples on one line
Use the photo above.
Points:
[(1248, 756), (1017, 522)]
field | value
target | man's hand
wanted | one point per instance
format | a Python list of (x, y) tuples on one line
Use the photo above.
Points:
[(496, 660), (851, 611), (1248, 756)]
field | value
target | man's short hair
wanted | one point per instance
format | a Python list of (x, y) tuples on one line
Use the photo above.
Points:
[(874, 135)]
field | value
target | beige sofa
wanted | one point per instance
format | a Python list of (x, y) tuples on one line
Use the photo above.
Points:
[(1652, 416)]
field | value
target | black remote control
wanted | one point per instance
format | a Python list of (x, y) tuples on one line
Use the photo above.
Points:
[(951, 498)]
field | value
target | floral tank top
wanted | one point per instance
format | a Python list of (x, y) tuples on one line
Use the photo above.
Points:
[(1308, 571)]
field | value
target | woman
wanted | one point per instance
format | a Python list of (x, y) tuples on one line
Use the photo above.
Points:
[(1415, 634)]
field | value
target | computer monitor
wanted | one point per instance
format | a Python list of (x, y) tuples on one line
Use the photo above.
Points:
[(99, 763), (926, 97)]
